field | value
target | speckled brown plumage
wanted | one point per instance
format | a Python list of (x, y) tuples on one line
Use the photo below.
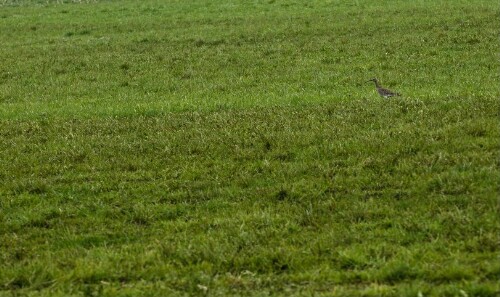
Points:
[(383, 92)]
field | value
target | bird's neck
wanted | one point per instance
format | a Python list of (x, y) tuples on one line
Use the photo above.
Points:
[(376, 84)]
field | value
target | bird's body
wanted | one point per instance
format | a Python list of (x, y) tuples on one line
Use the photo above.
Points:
[(383, 92)]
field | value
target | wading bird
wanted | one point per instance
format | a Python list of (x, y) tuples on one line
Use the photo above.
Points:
[(383, 92)]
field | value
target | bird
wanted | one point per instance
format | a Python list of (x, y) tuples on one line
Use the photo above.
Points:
[(383, 92)]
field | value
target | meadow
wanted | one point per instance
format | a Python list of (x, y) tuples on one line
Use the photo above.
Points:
[(234, 148)]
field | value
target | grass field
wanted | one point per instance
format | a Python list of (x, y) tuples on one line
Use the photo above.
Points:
[(233, 148)]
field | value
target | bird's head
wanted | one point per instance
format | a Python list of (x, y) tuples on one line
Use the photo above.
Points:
[(373, 79)]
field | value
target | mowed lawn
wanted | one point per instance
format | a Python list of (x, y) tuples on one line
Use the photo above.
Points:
[(234, 148)]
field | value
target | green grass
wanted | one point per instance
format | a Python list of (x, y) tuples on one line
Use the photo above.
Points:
[(232, 148)]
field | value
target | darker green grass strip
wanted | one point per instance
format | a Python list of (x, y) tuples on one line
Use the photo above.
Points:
[(386, 192)]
